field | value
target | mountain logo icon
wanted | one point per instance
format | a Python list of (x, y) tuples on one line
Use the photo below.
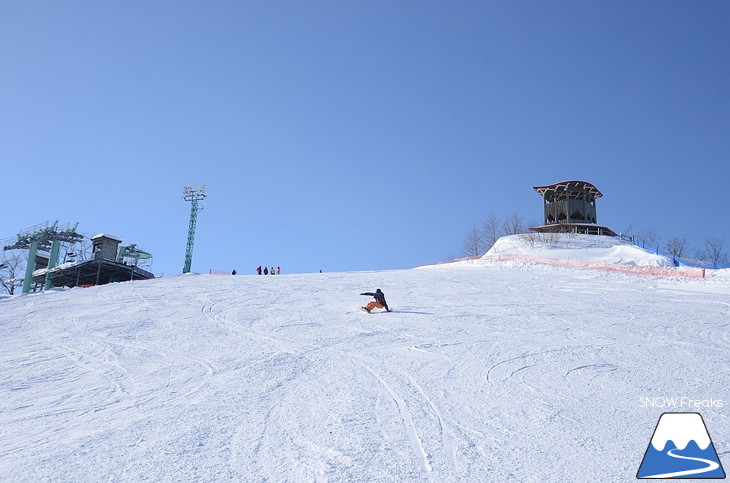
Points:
[(681, 448)]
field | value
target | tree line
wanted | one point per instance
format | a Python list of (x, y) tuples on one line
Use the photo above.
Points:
[(712, 250), (480, 238)]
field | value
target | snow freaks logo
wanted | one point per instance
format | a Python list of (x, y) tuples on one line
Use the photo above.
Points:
[(681, 448), (679, 402)]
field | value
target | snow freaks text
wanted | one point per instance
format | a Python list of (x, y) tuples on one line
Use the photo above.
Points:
[(679, 402)]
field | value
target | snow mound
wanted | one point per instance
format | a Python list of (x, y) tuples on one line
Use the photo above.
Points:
[(722, 274), (575, 247)]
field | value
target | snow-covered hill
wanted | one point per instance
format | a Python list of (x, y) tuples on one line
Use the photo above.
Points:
[(484, 372), (576, 247), (583, 252)]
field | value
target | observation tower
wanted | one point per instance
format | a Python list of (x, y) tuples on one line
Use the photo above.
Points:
[(570, 207)]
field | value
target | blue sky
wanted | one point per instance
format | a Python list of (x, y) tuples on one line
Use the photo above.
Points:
[(358, 135)]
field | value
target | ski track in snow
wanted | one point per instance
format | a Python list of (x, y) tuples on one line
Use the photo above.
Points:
[(483, 373), (407, 420), (711, 466)]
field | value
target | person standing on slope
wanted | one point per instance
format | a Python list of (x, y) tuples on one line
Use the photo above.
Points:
[(378, 303)]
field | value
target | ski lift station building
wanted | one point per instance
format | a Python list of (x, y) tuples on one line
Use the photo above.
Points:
[(107, 265)]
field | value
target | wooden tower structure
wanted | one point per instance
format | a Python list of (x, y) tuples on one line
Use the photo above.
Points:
[(570, 206)]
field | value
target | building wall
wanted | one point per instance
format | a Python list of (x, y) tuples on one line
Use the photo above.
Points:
[(570, 211), (105, 249)]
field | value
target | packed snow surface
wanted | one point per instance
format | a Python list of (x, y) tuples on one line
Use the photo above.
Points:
[(483, 372)]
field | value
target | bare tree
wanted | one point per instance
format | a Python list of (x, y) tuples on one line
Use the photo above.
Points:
[(513, 225), (12, 265), (532, 238), (714, 251), (491, 230), (650, 237), (677, 246), (473, 243), (532, 222)]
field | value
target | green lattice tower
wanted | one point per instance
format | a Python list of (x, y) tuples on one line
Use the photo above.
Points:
[(43, 237), (27, 281), (194, 197), (51, 264)]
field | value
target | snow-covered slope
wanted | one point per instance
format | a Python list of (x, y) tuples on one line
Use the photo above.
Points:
[(585, 248), (483, 373)]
